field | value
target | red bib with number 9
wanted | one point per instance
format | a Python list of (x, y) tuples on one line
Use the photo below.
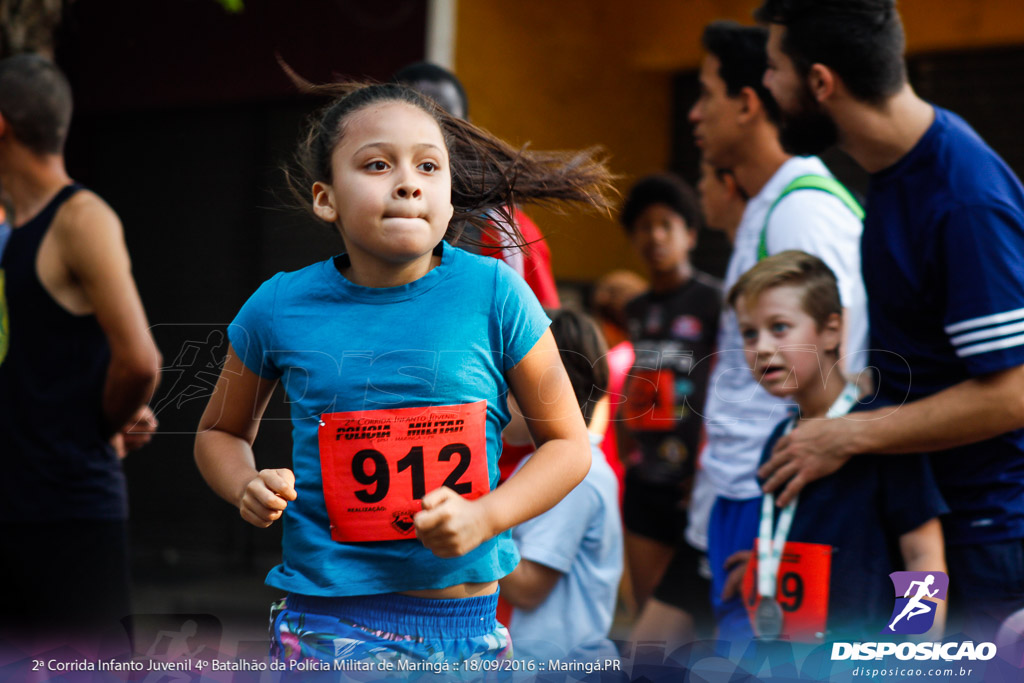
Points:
[(378, 464), (802, 590)]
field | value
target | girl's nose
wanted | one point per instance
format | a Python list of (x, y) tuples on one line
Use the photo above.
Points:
[(407, 186), (407, 191)]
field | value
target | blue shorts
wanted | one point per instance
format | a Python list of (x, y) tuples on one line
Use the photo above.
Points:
[(388, 629), (731, 527)]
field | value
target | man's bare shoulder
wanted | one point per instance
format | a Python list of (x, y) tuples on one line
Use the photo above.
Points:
[(85, 211)]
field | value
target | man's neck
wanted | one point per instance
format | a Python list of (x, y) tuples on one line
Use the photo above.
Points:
[(31, 181), (734, 221), (879, 136), (761, 157)]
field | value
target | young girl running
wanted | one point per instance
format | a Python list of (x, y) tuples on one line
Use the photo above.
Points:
[(396, 357)]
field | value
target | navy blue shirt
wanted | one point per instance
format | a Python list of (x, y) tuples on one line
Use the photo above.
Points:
[(861, 511), (943, 263)]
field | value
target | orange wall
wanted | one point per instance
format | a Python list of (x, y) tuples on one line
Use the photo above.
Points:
[(571, 73)]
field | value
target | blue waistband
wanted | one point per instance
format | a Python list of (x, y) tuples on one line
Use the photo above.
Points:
[(406, 615)]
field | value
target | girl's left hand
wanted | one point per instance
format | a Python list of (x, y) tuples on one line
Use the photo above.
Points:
[(449, 525)]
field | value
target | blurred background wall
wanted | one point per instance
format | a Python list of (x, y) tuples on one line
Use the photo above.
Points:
[(184, 119)]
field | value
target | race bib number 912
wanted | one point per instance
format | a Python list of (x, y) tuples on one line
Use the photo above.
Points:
[(378, 464)]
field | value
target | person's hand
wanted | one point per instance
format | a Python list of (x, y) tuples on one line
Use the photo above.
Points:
[(449, 525), (140, 429), (136, 433), (736, 565), (266, 496), (816, 448)]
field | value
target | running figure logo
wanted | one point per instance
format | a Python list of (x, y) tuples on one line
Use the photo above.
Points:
[(914, 613)]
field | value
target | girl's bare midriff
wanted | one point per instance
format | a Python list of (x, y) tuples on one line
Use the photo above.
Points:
[(459, 590)]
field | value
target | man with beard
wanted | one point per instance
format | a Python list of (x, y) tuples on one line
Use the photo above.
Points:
[(942, 243), (735, 125)]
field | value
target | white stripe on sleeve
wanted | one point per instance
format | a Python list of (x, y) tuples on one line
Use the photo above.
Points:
[(988, 333), (993, 319), (1004, 343)]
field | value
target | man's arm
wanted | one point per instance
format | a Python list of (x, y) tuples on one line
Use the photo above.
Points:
[(973, 410), (91, 245)]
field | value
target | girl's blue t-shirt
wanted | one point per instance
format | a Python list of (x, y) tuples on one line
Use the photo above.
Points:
[(447, 338)]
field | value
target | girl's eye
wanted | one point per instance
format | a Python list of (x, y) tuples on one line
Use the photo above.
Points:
[(749, 335), (428, 166), (377, 165), (779, 328)]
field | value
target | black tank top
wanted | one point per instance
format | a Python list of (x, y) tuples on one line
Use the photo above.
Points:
[(56, 463)]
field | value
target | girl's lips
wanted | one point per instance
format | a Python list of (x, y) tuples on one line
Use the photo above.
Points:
[(772, 372)]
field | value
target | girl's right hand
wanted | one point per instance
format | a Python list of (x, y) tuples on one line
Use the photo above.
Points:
[(266, 496)]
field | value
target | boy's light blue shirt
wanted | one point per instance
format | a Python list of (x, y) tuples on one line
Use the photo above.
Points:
[(581, 537)]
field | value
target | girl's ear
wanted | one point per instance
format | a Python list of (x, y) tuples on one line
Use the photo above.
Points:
[(323, 202)]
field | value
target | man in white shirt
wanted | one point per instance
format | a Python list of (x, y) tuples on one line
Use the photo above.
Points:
[(736, 126)]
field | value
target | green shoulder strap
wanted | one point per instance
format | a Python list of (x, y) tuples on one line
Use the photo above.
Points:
[(809, 182)]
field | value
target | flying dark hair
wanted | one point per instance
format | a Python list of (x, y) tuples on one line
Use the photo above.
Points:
[(861, 40), (488, 175), (741, 51), (35, 100), (428, 72), (661, 188), (584, 355)]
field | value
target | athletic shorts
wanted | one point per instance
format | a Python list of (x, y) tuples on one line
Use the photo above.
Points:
[(654, 511), (389, 630), (686, 585), (732, 527)]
